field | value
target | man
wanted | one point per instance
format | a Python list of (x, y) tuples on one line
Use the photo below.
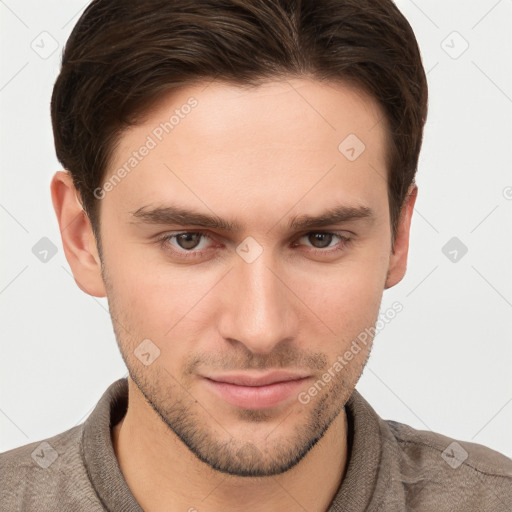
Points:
[(240, 184)]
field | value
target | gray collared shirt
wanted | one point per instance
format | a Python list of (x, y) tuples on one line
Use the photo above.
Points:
[(391, 467)]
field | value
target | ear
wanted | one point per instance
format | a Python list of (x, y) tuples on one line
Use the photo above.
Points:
[(77, 235), (398, 259)]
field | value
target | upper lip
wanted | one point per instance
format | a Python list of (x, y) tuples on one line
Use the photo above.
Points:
[(245, 379)]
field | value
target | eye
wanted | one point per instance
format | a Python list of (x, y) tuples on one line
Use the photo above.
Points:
[(322, 240), (185, 242), (190, 244)]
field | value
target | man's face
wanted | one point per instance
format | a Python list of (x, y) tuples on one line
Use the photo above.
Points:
[(260, 298)]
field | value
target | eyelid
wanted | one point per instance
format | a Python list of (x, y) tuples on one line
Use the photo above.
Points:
[(342, 234)]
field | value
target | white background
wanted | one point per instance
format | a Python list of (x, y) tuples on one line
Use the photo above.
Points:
[(443, 364)]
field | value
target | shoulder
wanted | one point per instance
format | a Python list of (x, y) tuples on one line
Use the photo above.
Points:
[(47, 475), (447, 474)]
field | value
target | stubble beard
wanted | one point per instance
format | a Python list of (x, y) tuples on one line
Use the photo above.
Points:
[(204, 435)]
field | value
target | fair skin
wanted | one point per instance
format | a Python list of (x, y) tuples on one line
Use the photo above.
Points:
[(211, 425)]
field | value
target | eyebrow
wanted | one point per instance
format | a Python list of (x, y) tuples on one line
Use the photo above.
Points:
[(175, 215)]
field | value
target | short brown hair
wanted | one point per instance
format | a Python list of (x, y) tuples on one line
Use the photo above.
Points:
[(123, 55)]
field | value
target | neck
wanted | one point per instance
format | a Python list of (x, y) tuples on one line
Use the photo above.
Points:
[(163, 474)]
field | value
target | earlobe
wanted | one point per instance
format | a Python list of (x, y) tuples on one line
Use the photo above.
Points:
[(398, 258), (77, 236)]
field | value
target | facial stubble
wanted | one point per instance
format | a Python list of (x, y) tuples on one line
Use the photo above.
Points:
[(197, 427)]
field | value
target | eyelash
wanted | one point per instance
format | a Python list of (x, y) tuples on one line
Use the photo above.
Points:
[(165, 239)]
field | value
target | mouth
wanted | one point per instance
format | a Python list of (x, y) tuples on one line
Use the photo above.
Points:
[(256, 391)]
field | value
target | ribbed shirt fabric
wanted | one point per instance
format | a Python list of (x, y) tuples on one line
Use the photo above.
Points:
[(391, 468)]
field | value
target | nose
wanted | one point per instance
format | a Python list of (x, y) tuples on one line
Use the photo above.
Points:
[(258, 308)]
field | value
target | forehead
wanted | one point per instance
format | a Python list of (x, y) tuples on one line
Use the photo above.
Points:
[(279, 143), (319, 114)]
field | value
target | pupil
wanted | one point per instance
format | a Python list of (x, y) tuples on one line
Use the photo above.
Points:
[(324, 238)]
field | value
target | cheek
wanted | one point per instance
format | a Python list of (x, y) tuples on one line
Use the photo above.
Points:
[(159, 301), (346, 298), (353, 284), (350, 303)]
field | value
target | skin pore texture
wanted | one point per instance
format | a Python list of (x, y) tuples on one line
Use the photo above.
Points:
[(252, 295)]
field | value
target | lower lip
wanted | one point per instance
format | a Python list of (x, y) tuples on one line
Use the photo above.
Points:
[(255, 397)]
